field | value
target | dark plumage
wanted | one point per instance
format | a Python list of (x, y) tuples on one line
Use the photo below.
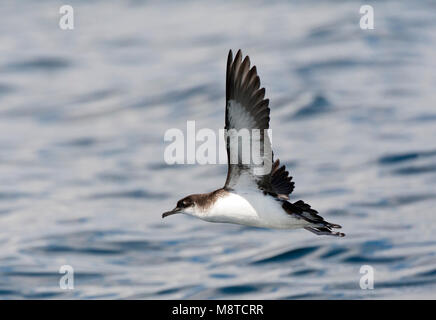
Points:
[(243, 87)]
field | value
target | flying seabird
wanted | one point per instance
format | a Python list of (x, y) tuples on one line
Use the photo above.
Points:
[(250, 196)]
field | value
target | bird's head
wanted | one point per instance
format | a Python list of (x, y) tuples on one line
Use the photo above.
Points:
[(186, 205)]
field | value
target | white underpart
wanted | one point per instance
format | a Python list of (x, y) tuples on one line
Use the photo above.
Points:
[(251, 208)]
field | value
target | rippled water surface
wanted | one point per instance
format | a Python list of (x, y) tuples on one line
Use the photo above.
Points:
[(83, 181)]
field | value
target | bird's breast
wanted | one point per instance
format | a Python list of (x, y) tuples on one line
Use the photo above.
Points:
[(249, 208)]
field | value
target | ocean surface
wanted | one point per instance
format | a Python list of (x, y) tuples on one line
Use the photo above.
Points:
[(83, 181)]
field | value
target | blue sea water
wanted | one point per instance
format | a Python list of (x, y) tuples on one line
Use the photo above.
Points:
[(83, 181)]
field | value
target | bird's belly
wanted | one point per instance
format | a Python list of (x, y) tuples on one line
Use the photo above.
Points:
[(256, 210)]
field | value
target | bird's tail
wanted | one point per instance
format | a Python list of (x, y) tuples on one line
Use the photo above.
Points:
[(318, 225)]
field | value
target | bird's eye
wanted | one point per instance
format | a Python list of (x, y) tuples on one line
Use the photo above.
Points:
[(183, 203)]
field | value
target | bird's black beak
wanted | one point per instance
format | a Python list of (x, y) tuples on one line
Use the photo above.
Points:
[(169, 213)]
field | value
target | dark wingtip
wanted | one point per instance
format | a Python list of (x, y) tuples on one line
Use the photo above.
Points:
[(238, 56)]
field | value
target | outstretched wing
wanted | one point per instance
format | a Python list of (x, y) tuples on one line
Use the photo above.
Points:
[(249, 152)]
